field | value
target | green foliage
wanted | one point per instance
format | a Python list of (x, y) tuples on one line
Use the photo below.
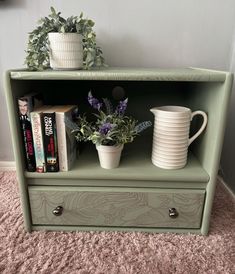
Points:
[(110, 127), (37, 53), (122, 130)]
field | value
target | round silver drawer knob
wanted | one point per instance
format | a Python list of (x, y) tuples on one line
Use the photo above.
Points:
[(58, 211), (173, 212)]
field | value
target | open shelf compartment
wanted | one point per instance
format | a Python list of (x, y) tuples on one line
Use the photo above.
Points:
[(135, 165)]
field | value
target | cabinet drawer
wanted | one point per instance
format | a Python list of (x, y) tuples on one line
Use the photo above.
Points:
[(116, 207)]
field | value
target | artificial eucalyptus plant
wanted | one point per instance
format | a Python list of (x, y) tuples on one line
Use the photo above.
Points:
[(37, 57)]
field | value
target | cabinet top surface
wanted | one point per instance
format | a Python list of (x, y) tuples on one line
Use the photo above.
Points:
[(124, 74)]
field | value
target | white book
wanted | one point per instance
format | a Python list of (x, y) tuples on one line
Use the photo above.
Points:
[(36, 121), (67, 144)]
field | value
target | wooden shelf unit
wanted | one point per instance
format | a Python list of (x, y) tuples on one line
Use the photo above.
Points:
[(137, 194)]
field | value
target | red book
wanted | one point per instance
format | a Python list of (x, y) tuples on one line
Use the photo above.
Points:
[(50, 141)]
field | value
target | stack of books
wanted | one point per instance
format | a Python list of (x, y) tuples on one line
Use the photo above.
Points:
[(49, 145)]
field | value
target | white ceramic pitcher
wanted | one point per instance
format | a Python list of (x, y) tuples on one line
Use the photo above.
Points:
[(171, 135)]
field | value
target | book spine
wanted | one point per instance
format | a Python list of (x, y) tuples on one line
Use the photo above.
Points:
[(62, 146), (25, 107), (28, 145), (50, 142), (38, 141), (71, 143)]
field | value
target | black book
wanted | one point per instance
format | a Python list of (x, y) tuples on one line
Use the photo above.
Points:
[(26, 105), (50, 141), (28, 144)]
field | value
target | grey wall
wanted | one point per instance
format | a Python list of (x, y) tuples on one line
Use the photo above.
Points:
[(227, 168), (150, 33)]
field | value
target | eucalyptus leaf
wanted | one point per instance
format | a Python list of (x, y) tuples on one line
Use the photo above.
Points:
[(62, 29), (53, 10)]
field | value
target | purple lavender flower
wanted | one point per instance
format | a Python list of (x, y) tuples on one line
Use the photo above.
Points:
[(121, 108), (93, 101), (105, 128)]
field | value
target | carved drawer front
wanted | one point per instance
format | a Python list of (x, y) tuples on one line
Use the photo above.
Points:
[(121, 207)]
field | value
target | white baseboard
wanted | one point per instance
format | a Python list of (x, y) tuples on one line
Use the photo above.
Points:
[(229, 190), (7, 166)]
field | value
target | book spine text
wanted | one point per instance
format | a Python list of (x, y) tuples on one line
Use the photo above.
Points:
[(38, 142), (50, 142)]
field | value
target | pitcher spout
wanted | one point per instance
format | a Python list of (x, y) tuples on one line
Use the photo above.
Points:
[(153, 110)]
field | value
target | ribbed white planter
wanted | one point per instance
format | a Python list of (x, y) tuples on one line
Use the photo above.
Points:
[(109, 156), (66, 51)]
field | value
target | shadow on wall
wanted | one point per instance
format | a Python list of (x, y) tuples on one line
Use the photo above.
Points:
[(122, 50), (6, 4)]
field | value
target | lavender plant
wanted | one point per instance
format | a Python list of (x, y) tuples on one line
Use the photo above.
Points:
[(111, 127)]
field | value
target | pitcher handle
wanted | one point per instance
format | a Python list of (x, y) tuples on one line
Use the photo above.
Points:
[(198, 112)]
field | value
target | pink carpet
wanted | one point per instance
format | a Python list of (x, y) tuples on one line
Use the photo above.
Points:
[(113, 252)]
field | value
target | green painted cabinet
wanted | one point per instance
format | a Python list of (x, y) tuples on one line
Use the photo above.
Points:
[(137, 196)]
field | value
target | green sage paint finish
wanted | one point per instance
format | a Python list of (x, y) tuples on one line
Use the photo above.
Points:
[(136, 177), (104, 206)]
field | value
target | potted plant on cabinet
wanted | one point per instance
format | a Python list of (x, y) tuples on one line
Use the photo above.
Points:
[(63, 44), (110, 130)]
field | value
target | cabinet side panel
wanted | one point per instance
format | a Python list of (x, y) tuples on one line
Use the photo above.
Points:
[(212, 98), (17, 148)]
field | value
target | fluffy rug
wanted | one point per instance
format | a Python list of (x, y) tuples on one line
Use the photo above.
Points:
[(113, 252)]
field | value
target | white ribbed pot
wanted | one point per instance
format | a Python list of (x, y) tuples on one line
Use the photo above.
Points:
[(66, 51), (109, 156)]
